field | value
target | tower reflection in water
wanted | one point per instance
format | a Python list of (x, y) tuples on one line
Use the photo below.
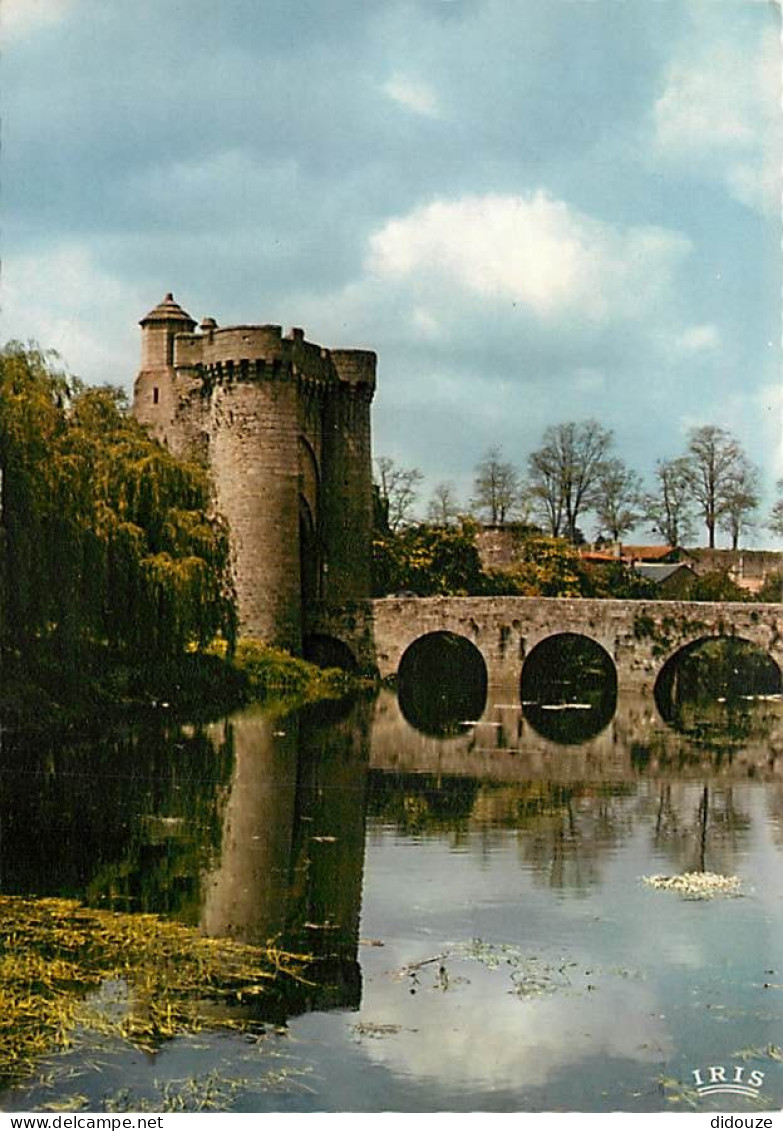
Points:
[(292, 855)]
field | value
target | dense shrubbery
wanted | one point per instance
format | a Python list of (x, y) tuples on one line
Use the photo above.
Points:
[(550, 567), (772, 589), (266, 672), (718, 586), (428, 560)]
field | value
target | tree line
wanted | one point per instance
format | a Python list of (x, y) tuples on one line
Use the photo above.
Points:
[(574, 473)]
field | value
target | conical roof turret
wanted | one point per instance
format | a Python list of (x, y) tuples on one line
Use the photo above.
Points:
[(169, 310)]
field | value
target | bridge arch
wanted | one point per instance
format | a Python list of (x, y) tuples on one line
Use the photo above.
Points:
[(742, 666), (640, 636), (442, 682), (329, 652), (568, 687)]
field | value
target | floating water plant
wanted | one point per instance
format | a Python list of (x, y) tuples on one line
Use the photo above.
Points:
[(696, 885), (69, 973)]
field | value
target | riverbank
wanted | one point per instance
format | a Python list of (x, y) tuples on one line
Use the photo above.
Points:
[(43, 692)]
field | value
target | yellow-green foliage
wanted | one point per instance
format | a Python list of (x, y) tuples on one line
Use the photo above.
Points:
[(56, 955), (272, 673), (551, 567), (108, 537), (427, 560)]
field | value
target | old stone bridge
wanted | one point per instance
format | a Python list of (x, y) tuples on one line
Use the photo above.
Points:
[(638, 636)]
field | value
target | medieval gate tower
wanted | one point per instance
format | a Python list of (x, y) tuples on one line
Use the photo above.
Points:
[(284, 427)]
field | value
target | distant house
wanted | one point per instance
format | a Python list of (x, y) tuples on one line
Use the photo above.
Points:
[(652, 553), (747, 568), (598, 557), (674, 580)]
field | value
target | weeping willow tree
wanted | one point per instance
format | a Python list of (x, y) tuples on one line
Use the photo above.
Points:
[(106, 538)]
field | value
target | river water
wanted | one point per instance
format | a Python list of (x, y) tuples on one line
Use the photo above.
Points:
[(475, 895)]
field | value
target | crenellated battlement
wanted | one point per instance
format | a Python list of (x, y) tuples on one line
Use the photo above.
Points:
[(257, 353)]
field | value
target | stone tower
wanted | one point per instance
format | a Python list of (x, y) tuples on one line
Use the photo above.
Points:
[(284, 428)]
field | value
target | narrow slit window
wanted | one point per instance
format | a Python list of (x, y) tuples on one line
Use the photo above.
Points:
[(155, 395)]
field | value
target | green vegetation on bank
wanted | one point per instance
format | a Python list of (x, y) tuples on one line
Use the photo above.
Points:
[(269, 673), (39, 694)]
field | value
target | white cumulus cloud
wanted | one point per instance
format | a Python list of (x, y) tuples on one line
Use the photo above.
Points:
[(530, 251), (63, 300)]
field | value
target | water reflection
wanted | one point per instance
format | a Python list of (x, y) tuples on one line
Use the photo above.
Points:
[(293, 842), (329, 826), (255, 827), (701, 831), (129, 822)]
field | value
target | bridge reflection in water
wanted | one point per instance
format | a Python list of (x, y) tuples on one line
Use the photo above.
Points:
[(568, 690)]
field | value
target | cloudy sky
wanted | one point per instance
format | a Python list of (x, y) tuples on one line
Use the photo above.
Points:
[(534, 210)]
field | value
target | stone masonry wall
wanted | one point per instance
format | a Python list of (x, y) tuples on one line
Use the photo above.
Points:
[(748, 568), (639, 636), (255, 468)]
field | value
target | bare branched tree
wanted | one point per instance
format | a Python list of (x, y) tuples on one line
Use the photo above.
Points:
[(398, 490), (775, 523), (496, 487), (618, 495), (564, 472), (667, 509), (714, 458), (740, 500), (544, 485), (443, 509)]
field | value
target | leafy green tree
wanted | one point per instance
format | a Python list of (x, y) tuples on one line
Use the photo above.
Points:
[(427, 560), (108, 540), (619, 581), (717, 585), (549, 567), (772, 589)]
